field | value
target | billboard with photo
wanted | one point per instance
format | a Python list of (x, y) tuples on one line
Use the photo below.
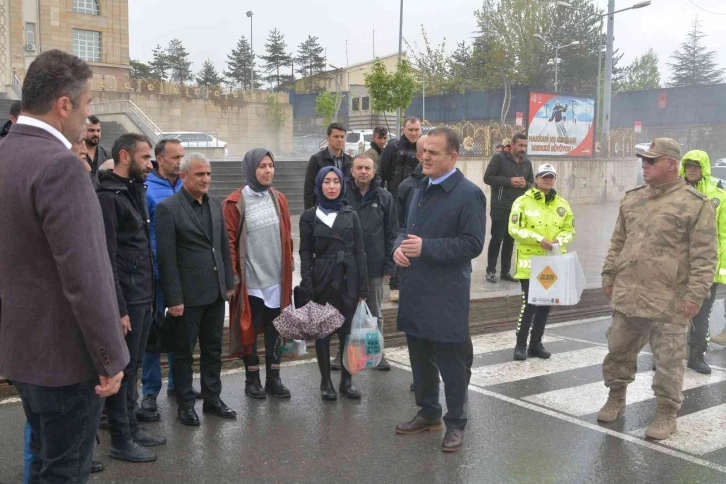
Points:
[(560, 125)]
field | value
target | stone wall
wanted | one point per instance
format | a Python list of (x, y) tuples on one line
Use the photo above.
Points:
[(579, 180), (243, 123)]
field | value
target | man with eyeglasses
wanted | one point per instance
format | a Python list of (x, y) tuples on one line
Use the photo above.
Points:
[(658, 272)]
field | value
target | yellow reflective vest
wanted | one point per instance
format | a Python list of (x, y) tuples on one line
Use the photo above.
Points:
[(535, 217)]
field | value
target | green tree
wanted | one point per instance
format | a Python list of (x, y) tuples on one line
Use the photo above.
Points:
[(432, 61), (240, 65), (179, 63), (325, 105), (276, 117), (276, 58), (390, 91), (140, 70), (310, 60), (693, 64), (642, 73), (160, 64), (461, 75), (208, 76)]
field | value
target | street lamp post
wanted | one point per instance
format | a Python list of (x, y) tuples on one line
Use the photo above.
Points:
[(400, 49), (557, 53), (607, 94), (252, 49)]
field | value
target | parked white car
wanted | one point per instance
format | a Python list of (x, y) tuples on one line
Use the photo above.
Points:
[(358, 141), (192, 139)]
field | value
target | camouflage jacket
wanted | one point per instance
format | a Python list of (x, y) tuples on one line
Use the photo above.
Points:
[(663, 251)]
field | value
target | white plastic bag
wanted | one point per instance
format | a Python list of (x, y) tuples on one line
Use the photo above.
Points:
[(364, 348), (556, 280)]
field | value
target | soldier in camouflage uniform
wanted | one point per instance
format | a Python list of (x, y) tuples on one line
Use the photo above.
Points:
[(658, 271)]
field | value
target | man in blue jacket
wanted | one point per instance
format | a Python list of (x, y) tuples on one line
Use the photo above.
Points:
[(444, 232), (161, 184)]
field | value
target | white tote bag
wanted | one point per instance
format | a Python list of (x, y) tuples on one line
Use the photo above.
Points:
[(556, 280)]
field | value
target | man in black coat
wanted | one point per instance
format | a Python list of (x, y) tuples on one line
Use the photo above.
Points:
[(196, 276), (444, 232), (332, 155), (12, 118), (122, 195), (399, 156), (510, 175), (377, 212), (96, 154)]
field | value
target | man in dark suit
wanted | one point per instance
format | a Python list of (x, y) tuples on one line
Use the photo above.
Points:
[(61, 341), (444, 231), (196, 276)]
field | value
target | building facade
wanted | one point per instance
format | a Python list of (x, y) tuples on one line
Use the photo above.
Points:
[(97, 31)]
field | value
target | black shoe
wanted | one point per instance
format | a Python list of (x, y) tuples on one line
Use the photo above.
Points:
[(346, 388), (506, 276), (97, 466), (142, 437), (144, 415), (149, 403), (492, 277), (131, 452), (384, 365), (696, 362), (327, 391), (188, 416), (520, 352), (274, 387), (253, 388), (412, 388), (537, 350), (219, 409)]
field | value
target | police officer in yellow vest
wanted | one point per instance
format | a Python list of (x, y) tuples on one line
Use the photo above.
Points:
[(539, 219), (696, 170)]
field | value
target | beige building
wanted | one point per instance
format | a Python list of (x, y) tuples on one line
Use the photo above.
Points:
[(97, 31)]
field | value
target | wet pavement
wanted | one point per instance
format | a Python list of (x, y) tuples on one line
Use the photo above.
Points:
[(532, 421)]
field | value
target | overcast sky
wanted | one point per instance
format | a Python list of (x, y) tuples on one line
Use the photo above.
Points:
[(210, 29)]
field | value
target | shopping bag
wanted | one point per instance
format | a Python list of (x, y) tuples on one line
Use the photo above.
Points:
[(556, 280), (291, 348), (364, 348)]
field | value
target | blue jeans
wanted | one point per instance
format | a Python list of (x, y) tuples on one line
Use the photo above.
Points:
[(28, 453), (64, 421), (151, 374)]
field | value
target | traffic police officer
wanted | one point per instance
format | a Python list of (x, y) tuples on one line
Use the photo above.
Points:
[(539, 220)]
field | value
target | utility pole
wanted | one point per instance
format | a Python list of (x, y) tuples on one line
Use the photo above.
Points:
[(252, 49), (400, 49), (608, 72)]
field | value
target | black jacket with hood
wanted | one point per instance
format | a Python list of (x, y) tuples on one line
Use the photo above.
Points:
[(499, 173), (126, 222), (379, 221), (398, 161), (405, 194)]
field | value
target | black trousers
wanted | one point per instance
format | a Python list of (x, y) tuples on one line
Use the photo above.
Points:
[(500, 238), (262, 318), (121, 407), (203, 323), (64, 422), (699, 333), (527, 313), (428, 359)]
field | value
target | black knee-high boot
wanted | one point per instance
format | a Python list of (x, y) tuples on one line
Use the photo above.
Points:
[(253, 387), (346, 379), (322, 351)]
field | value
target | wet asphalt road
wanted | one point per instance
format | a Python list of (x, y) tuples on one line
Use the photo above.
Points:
[(531, 422)]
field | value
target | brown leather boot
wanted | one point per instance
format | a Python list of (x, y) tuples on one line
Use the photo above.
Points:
[(664, 423), (614, 406)]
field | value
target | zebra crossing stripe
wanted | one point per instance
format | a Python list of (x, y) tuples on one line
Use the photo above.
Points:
[(489, 375), (587, 399), (698, 433)]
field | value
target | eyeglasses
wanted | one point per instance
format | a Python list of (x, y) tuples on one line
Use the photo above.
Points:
[(653, 161)]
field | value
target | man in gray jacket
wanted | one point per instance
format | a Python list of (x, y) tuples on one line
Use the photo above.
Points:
[(61, 342), (196, 276)]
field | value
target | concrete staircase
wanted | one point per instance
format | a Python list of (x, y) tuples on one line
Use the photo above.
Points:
[(289, 179), (110, 132)]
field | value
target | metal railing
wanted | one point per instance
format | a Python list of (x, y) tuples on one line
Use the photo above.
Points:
[(139, 118), (17, 86)]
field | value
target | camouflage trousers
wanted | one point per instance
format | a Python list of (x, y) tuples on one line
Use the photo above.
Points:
[(626, 338)]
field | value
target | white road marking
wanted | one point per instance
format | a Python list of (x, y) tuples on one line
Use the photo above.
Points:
[(698, 433), (587, 399), (533, 367)]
